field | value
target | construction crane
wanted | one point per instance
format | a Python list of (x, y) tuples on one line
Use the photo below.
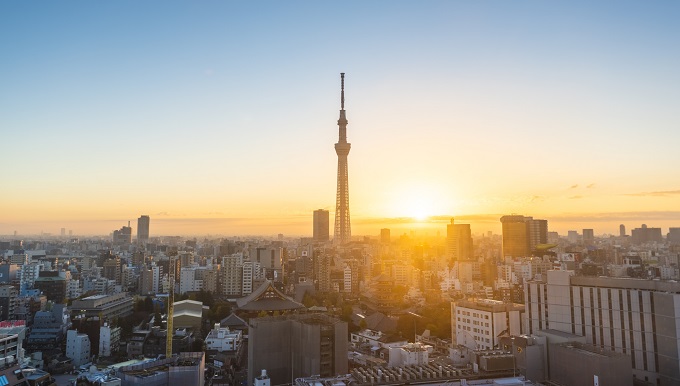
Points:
[(171, 306)]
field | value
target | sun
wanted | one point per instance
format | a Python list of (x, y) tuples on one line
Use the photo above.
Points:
[(417, 202)]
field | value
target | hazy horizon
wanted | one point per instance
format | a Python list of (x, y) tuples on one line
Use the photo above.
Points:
[(301, 226)]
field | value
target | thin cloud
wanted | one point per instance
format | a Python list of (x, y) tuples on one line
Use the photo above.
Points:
[(616, 216), (575, 197), (665, 193), (590, 186), (573, 186)]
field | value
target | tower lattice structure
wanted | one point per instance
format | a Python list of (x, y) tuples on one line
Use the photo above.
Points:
[(343, 231)]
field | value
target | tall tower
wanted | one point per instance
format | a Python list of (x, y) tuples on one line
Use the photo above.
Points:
[(343, 231), (143, 229), (320, 232)]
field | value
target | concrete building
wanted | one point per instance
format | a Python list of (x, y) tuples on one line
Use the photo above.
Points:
[(251, 273), (187, 368), (515, 236), (77, 347), (49, 328), (157, 274), (479, 324), (52, 285), (639, 318), (522, 234), (412, 354), (104, 306), (595, 366), (644, 235), (270, 259), (232, 275), (145, 285), (321, 231), (11, 350), (459, 241), (188, 314), (299, 345), (189, 281), (143, 229), (8, 298), (27, 275), (123, 235), (588, 236), (109, 340), (222, 339), (385, 237)]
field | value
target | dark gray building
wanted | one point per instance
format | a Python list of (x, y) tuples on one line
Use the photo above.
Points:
[(321, 231), (575, 363), (300, 345)]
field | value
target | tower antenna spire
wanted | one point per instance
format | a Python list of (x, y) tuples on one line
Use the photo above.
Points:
[(342, 91)]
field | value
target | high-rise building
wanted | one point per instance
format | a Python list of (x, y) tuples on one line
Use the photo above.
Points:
[(622, 230), (673, 236), (343, 231), (143, 229), (538, 232), (522, 234), (588, 236), (645, 235), (385, 236), (123, 236), (321, 226), (297, 345), (515, 236), (635, 317), (459, 241)]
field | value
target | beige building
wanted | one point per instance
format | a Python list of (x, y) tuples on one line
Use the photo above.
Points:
[(187, 314), (478, 324)]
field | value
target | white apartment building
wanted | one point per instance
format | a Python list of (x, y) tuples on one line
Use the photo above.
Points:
[(477, 324), (251, 271), (73, 289), (109, 340), (188, 280), (412, 354), (77, 347), (222, 339), (637, 317), (157, 275), (347, 279)]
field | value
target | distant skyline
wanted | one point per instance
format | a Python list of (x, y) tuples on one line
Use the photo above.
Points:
[(220, 117)]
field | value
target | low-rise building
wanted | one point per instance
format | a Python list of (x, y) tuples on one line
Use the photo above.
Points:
[(187, 368), (77, 347), (222, 339), (105, 306), (109, 340), (478, 324)]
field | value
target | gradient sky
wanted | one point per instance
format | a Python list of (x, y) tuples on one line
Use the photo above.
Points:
[(220, 117)]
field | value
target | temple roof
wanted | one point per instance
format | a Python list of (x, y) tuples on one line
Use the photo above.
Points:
[(267, 298)]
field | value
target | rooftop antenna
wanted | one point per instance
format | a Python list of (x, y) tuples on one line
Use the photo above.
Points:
[(342, 91)]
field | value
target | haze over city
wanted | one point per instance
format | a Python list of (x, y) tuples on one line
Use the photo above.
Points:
[(220, 117)]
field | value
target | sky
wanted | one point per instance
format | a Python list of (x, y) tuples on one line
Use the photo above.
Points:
[(220, 117)]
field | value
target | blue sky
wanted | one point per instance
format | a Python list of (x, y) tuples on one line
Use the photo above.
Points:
[(227, 109)]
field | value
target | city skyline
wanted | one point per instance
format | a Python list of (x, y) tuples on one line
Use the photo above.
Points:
[(220, 118)]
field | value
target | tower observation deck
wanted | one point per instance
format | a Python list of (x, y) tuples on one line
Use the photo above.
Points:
[(343, 231)]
